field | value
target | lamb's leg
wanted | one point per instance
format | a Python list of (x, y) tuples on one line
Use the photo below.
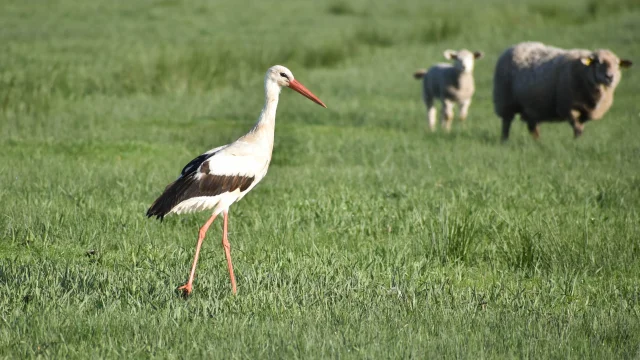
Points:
[(464, 109), (447, 114), (431, 113)]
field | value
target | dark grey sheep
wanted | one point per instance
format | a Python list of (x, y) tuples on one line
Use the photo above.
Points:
[(543, 83)]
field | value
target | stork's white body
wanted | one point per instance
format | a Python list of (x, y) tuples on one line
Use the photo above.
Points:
[(248, 157)]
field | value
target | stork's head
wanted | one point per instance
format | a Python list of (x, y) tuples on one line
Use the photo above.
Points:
[(280, 76), (464, 59)]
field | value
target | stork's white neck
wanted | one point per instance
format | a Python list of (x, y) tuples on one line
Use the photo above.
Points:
[(271, 96), (263, 131)]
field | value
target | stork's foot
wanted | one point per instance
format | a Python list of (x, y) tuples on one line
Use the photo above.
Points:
[(185, 289)]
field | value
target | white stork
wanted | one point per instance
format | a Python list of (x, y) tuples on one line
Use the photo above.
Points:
[(222, 176)]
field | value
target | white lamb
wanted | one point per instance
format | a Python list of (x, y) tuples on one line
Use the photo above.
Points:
[(450, 84)]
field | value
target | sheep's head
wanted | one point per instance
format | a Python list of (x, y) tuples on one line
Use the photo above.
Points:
[(464, 59), (603, 67)]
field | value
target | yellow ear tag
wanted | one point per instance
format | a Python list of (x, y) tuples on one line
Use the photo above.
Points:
[(586, 61)]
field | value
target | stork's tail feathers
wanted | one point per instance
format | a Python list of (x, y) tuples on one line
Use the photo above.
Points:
[(172, 195), (420, 74), (160, 207)]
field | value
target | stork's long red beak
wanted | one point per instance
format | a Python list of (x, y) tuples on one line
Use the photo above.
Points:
[(295, 85)]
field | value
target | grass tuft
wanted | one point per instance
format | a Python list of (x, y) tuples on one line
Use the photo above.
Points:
[(340, 8), (437, 31), (328, 54), (374, 36), (596, 8)]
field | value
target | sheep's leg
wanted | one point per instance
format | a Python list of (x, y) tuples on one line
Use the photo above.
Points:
[(534, 130), (506, 126), (577, 126), (431, 113), (464, 109), (447, 114)]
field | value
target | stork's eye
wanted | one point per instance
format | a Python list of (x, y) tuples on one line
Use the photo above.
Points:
[(284, 75)]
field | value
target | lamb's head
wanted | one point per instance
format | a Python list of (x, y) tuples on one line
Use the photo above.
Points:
[(463, 59), (603, 67)]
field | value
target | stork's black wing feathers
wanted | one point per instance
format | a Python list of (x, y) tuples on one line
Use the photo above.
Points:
[(190, 185), (194, 164)]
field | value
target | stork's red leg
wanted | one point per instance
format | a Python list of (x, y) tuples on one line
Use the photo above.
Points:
[(186, 289), (227, 252)]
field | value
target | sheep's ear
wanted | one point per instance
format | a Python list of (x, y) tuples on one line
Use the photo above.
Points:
[(624, 63), (587, 60), (478, 54), (450, 54)]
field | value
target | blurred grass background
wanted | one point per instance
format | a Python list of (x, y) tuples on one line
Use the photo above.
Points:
[(370, 237)]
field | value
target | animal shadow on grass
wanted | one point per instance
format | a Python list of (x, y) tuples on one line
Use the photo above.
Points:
[(462, 134)]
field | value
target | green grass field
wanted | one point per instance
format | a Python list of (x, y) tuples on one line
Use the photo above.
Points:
[(369, 238)]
